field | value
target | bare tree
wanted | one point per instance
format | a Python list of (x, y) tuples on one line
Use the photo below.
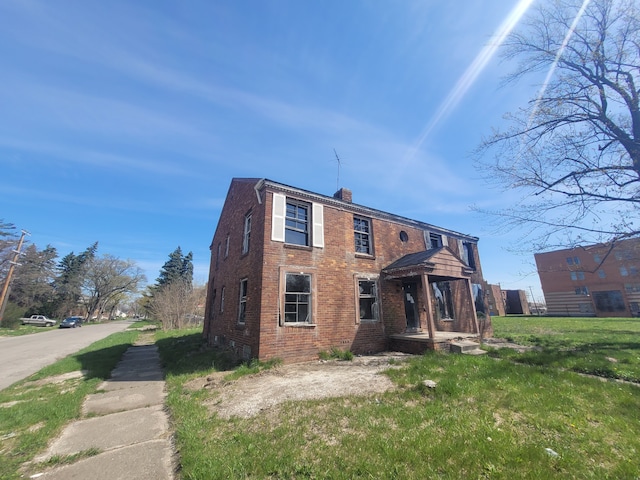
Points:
[(175, 304), (107, 281), (574, 151)]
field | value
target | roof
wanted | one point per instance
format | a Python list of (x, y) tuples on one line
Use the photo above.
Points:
[(361, 209), (417, 259)]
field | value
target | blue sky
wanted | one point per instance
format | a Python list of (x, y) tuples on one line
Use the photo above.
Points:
[(123, 122)]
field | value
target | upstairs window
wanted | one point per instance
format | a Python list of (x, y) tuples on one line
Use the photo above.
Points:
[(362, 234), (246, 235), (582, 291), (297, 223), (577, 275), (467, 254), (601, 274), (226, 247), (573, 261), (242, 308), (222, 300), (435, 240), (297, 298)]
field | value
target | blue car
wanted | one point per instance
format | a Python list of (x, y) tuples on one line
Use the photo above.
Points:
[(71, 322)]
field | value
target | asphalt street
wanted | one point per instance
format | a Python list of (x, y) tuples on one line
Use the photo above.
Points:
[(24, 355)]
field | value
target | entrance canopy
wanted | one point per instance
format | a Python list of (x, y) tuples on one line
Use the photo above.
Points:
[(437, 262)]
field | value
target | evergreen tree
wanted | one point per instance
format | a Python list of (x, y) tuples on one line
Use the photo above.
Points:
[(179, 267), (68, 284)]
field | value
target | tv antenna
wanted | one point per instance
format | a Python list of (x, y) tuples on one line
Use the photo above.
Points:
[(339, 165)]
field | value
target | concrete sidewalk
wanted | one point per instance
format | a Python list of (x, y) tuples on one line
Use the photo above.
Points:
[(126, 423)]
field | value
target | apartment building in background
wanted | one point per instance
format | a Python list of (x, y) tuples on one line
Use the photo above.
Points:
[(295, 272), (600, 280)]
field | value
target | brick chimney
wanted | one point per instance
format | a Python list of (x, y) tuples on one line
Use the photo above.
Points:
[(343, 194)]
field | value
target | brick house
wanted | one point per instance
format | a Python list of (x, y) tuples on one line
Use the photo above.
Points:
[(294, 273), (600, 280)]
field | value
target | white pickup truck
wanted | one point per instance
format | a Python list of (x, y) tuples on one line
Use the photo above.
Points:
[(40, 320)]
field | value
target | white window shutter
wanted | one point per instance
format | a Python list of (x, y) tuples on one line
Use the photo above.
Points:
[(277, 217), (318, 225), (460, 249), (445, 241)]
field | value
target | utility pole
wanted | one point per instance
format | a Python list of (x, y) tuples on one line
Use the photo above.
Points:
[(13, 263)]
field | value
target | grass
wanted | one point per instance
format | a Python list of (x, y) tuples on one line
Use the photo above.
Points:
[(607, 347), (18, 330), (336, 354), (488, 417), (34, 411)]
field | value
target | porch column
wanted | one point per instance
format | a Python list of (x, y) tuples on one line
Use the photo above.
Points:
[(473, 310), (427, 301)]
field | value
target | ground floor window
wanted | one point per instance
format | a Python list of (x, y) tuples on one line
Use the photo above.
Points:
[(444, 300), (242, 309), (297, 298), (610, 301), (368, 299)]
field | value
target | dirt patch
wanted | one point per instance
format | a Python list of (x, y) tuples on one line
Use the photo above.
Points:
[(250, 395), (504, 343)]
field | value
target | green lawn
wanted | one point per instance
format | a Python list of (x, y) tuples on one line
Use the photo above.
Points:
[(494, 416), (607, 347), (502, 415)]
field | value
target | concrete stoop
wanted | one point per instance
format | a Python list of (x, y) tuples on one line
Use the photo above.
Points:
[(466, 347)]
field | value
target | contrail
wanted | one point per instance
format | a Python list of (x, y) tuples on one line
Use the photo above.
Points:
[(559, 53), (471, 74)]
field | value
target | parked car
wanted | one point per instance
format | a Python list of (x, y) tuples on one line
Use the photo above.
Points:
[(71, 322), (39, 320)]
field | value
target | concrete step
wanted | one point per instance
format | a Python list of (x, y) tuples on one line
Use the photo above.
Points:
[(466, 347)]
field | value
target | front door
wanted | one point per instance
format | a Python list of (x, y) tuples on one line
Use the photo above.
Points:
[(410, 290)]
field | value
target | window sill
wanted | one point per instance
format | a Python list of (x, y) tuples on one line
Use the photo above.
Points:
[(368, 320), (300, 325), (298, 247), (241, 326), (365, 256)]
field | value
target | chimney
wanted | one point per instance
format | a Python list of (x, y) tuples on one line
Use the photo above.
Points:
[(343, 194)]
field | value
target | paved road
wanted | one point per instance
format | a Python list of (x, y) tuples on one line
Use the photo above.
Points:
[(24, 355)]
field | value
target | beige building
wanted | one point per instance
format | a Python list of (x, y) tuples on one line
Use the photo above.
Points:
[(596, 280)]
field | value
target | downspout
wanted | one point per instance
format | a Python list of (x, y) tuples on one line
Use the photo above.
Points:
[(257, 187)]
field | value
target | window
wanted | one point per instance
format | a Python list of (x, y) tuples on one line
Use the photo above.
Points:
[(632, 287), (362, 234), (577, 275), (582, 291), (247, 233), (368, 299), (297, 298), (435, 240), (222, 300), (444, 300), (297, 223), (601, 274), (573, 261), (597, 258), (404, 236), (226, 247), (623, 271), (633, 270), (242, 309), (467, 254), (610, 301)]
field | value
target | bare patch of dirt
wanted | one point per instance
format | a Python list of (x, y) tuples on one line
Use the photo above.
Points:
[(504, 343), (250, 395)]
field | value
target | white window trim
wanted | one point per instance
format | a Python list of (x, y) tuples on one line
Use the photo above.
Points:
[(246, 235)]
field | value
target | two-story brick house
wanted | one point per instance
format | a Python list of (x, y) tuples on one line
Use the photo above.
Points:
[(294, 272)]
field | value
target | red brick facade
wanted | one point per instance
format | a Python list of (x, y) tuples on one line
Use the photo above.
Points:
[(597, 280), (339, 278)]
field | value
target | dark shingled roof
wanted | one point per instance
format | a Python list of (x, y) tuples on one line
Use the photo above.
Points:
[(414, 259)]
